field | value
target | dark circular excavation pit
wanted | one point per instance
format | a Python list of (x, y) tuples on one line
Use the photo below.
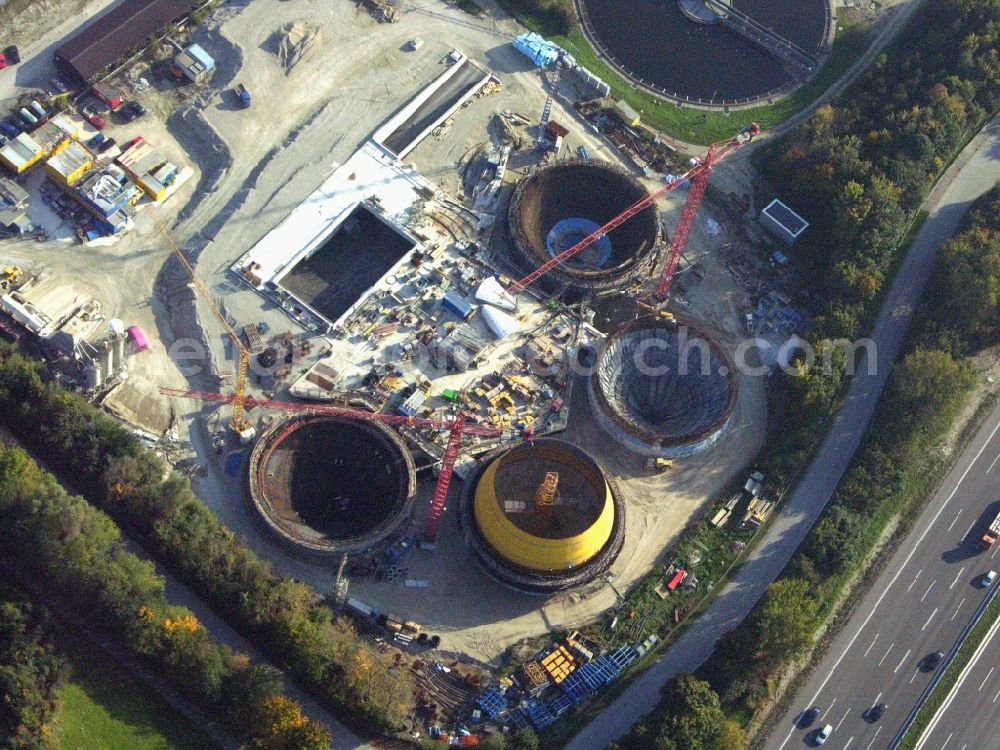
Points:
[(330, 483), (656, 45), (595, 193)]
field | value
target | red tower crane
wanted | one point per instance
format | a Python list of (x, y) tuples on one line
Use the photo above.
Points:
[(460, 426), (698, 175)]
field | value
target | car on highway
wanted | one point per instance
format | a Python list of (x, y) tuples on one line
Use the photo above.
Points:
[(822, 734), (987, 579), (875, 713), (932, 661), (808, 717)]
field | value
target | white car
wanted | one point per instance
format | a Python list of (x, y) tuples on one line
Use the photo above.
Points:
[(822, 735), (988, 578)]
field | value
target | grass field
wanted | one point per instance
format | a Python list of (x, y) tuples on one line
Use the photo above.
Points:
[(106, 708), (704, 126)]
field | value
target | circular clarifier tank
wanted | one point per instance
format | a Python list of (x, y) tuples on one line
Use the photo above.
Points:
[(663, 389), (327, 485), (560, 205), (544, 516)]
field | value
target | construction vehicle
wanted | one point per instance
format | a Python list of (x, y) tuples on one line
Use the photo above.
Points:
[(992, 533), (543, 143), (698, 175), (241, 426), (243, 94), (659, 464), (10, 276), (457, 427)]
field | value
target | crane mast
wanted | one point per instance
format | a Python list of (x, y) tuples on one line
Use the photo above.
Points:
[(698, 175)]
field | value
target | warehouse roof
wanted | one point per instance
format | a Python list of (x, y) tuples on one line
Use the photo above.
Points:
[(118, 31)]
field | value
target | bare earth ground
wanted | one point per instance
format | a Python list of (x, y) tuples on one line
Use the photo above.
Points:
[(254, 166)]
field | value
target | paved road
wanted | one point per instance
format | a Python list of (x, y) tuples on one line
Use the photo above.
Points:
[(968, 718), (975, 171), (919, 604)]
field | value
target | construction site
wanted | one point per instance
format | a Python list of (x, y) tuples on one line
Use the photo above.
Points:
[(417, 327)]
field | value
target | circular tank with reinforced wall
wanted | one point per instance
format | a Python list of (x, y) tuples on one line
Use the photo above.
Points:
[(561, 204), (663, 389), (543, 517), (325, 486)]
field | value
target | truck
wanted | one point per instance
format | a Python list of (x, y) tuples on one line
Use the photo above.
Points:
[(992, 533), (243, 94)]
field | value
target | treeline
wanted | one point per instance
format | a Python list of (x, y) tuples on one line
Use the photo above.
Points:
[(31, 677), (286, 618), (75, 551), (859, 169)]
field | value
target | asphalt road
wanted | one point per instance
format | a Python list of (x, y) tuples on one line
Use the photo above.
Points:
[(975, 171), (968, 718), (919, 604)]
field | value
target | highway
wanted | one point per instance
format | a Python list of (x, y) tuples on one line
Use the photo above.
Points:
[(975, 170), (919, 604), (968, 719)]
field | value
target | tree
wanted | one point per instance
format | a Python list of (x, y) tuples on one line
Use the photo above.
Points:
[(781, 626), (526, 739), (692, 718), (927, 389), (833, 540)]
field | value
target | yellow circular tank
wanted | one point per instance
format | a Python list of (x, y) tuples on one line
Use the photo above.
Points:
[(540, 530)]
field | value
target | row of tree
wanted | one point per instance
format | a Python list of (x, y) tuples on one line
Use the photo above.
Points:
[(76, 552), (286, 618), (859, 169), (31, 676)]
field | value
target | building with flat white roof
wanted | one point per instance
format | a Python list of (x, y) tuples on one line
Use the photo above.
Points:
[(782, 222)]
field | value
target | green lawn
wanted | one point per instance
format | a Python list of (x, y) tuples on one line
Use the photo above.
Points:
[(106, 708), (704, 126)]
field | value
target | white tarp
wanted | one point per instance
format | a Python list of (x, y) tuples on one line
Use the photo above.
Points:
[(500, 323), (491, 292)]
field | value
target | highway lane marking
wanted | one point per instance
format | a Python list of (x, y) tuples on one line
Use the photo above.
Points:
[(929, 619), (790, 733), (928, 589), (905, 657), (915, 673), (842, 720), (914, 580), (829, 708), (956, 578), (873, 643), (957, 609), (902, 567), (873, 738), (983, 683), (996, 696), (955, 521), (968, 530), (995, 552), (932, 724), (886, 653), (848, 743), (993, 464), (875, 702), (947, 741)]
